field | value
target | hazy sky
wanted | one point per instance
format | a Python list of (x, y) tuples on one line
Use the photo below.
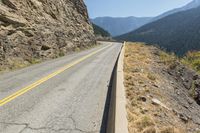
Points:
[(139, 8)]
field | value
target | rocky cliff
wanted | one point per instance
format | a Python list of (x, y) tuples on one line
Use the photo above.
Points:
[(42, 29)]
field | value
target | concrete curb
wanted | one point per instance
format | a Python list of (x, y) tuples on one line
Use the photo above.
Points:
[(117, 118)]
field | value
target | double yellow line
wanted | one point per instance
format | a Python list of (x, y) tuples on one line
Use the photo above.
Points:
[(44, 79)]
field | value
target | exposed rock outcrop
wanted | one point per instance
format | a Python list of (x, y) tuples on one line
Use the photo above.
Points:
[(42, 29), (188, 77)]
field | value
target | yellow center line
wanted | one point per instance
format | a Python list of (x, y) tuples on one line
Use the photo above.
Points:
[(44, 79)]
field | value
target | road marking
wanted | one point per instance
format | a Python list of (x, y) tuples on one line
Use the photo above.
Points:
[(44, 79)]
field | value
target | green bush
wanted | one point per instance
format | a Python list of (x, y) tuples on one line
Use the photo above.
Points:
[(192, 59)]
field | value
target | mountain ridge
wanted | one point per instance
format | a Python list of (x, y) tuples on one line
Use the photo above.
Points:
[(177, 32), (116, 27), (120, 25), (190, 5)]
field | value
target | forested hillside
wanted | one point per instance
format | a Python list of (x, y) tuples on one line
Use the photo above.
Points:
[(178, 33), (100, 31)]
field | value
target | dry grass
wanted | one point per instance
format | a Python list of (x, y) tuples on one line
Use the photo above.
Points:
[(192, 59), (18, 63), (171, 130), (169, 59), (151, 76), (149, 130), (143, 122), (142, 84)]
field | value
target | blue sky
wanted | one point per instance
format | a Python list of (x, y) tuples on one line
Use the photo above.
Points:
[(138, 8)]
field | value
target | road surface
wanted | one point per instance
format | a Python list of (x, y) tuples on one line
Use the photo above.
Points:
[(65, 95)]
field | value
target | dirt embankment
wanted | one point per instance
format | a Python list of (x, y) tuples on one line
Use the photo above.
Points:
[(162, 93)]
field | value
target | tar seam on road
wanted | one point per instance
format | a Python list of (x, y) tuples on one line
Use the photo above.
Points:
[(46, 78)]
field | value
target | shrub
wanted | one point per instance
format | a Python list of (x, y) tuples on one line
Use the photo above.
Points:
[(151, 76), (192, 59), (144, 122)]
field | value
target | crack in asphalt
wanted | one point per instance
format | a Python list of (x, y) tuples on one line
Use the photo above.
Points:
[(70, 116), (18, 124), (27, 126), (75, 125)]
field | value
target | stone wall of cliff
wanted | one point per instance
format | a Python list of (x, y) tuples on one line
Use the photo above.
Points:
[(42, 29)]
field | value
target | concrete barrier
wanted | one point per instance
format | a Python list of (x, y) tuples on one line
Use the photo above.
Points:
[(117, 118)]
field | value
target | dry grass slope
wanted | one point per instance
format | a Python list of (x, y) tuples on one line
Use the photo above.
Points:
[(152, 107)]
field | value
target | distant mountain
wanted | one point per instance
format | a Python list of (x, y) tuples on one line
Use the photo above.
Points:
[(100, 31), (179, 32), (193, 4), (119, 26)]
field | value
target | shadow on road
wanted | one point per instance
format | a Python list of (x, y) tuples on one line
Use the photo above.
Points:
[(108, 101)]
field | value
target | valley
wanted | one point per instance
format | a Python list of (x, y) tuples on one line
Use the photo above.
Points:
[(119, 26)]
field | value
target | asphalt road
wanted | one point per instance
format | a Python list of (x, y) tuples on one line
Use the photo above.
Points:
[(65, 95)]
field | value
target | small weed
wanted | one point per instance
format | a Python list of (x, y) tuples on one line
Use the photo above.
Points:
[(147, 90), (192, 90), (192, 59), (77, 49), (144, 122), (151, 76), (167, 58), (61, 54), (149, 130), (34, 61)]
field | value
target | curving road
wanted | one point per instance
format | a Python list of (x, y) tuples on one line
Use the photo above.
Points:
[(65, 95)]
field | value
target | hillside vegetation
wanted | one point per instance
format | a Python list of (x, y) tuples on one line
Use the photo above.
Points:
[(98, 31), (162, 93), (192, 59), (178, 33)]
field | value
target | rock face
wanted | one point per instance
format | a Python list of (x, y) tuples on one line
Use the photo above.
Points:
[(189, 78), (42, 29)]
